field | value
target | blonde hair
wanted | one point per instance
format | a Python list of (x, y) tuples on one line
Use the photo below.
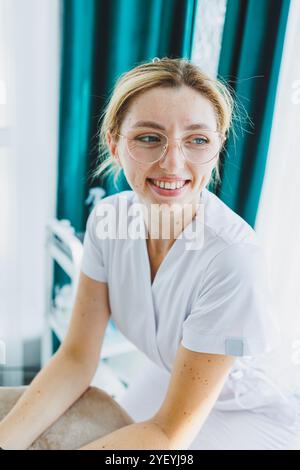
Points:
[(165, 72)]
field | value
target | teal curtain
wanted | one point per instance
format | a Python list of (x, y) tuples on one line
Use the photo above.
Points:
[(250, 60), (101, 40), (77, 38), (77, 30)]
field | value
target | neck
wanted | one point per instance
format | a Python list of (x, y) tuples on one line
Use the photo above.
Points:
[(165, 224)]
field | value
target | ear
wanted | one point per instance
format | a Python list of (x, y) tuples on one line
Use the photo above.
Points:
[(112, 145)]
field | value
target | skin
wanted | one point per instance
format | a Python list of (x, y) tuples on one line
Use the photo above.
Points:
[(174, 109)]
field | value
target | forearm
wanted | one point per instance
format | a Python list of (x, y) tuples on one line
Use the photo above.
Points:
[(144, 435), (54, 389)]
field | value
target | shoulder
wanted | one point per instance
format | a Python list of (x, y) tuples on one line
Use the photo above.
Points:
[(231, 253), (222, 223)]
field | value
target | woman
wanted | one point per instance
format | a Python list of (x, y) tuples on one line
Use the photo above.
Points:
[(194, 301)]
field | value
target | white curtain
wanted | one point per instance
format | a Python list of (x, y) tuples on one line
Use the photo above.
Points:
[(278, 220), (210, 18), (29, 72)]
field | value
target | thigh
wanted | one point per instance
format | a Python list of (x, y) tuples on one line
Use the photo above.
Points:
[(244, 430)]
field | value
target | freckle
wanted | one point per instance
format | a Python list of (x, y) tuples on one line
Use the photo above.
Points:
[(209, 360), (191, 368), (184, 412), (184, 365), (193, 378)]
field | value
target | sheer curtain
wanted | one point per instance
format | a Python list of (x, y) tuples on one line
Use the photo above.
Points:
[(209, 26), (28, 167), (278, 219)]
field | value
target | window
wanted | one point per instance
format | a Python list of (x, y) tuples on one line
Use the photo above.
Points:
[(210, 19)]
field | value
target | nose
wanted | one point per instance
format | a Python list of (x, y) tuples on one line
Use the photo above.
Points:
[(173, 159)]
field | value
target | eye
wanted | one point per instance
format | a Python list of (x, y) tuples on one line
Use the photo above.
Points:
[(198, 140), (152, 138)]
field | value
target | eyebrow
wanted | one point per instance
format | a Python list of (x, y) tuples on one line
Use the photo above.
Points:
[(155, 125)]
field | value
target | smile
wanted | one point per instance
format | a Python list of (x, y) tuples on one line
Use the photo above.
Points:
[(168, 188)]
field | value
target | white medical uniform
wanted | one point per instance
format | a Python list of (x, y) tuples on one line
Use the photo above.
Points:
[(214, 299)]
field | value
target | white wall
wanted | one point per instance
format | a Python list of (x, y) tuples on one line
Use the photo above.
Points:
[(28, 166)]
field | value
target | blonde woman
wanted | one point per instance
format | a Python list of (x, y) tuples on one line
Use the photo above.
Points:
[(194, 301)]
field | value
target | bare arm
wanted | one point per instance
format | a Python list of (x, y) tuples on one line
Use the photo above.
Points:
[(195, 384), (67, 374)]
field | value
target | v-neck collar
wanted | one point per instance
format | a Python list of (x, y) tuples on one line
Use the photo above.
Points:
[(162, 264), (173, 248), (149, 288)]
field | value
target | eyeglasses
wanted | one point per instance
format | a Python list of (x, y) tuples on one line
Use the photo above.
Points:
[(199, 148)]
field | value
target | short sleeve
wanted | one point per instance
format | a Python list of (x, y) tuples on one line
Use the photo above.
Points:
[(92, 263), (233, 312)]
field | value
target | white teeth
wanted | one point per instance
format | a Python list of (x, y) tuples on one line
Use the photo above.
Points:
[(168, 185)]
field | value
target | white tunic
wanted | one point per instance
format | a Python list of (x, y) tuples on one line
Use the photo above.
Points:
[(214, 300)]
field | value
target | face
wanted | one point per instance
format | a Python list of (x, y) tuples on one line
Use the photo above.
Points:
[(173, 109)]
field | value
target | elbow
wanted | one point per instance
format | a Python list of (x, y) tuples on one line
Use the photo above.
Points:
[(87, 364)]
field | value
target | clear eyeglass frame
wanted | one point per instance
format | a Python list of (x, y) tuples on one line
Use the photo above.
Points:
[(222, 141)]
